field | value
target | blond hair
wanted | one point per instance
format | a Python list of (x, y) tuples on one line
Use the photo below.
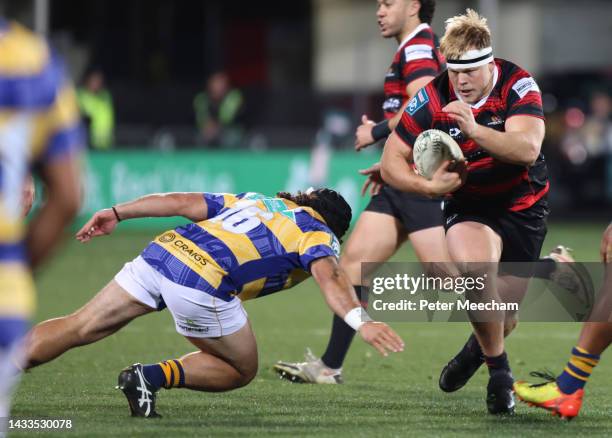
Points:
[(463, 33)]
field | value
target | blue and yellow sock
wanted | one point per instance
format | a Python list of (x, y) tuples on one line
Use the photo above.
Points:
[(167, 374), (577, 371)]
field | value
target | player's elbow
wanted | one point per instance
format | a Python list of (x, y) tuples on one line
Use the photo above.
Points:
[(531, 153), (386, 174)]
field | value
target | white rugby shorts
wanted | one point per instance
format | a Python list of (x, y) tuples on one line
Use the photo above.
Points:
[(196, 314)]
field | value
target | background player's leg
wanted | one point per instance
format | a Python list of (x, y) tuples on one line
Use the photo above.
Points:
[(430, 245), (595, 337), (12, 330), (17, 299), (107, 312), (563, 396), (361, 247)]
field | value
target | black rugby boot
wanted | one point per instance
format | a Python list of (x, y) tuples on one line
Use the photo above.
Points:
[(140, 394), (462, 367), (500, 396)]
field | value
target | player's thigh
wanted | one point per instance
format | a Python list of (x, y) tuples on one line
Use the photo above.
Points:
[(109, 309), (239, 349), (430, 245), (375, 238), (472, 241)]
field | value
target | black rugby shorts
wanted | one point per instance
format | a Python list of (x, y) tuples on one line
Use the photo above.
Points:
[(415, 212), (522, 232)]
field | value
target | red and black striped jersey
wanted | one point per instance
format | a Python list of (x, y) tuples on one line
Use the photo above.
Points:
[(417, 56), (491, 182)]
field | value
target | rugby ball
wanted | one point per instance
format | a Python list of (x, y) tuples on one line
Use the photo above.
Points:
[(431, 148)]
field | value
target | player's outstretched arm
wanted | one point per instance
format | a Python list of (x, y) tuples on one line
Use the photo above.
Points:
[(340, 297), (189, 205)]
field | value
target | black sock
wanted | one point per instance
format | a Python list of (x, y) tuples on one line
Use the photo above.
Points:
[(340, 340), (497, 363)]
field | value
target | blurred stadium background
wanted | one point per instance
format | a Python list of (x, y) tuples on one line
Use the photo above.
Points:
[(306, 70)]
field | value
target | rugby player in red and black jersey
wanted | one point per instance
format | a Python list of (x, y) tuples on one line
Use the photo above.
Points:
[(392, 216), (498, 208)]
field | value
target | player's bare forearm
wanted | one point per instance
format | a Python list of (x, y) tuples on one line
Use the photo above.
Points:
[(516, 146), (520, 143), (335, 285), (189, 205), (397, 171), (63, 199), (341, 298)]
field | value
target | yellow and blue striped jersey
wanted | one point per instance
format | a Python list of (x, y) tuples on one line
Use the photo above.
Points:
[(250, 245), (39, 123)]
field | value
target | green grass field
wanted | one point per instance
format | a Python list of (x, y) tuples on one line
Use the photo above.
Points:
[(394, 396)]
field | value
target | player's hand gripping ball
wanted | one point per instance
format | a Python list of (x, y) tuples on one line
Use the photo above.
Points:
[(432, 148)]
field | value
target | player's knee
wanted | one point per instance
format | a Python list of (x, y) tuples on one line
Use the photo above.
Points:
[(246, 373), (245, 379)]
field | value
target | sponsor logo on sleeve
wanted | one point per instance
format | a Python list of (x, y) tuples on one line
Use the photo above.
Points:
[(524, 86), (335, 245), (417, 102), (418, 51)]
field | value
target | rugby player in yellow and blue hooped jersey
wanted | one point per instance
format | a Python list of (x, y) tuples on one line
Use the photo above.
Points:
[(237, 247), (39, 131), (253, 246)]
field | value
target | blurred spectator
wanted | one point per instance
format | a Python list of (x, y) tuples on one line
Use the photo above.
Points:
[(598, 127), (96, 104), (218, 112), (587, 147)]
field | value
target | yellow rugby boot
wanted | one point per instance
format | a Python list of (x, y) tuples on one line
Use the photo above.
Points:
[(548, 396)]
